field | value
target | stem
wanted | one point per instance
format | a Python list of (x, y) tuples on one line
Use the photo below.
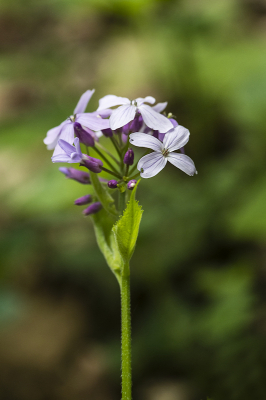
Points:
[(107, 152), (126, 334), (121, 202), (106, 160), (111, 172), (134, 176), (116, 146)]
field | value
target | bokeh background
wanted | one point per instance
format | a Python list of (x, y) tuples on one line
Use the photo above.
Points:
[(198, 273)]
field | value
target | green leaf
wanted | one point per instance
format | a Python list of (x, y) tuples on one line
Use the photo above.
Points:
[(102, 193), (127, 228), (103, 224)]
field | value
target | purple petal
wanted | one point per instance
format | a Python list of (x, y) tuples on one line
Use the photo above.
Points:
[(68, 148), (83, 101), (182, 162), (176, 138), (140, 139), (104, 113), (61, 158), (122, 115), (154, 120), (67, 134), (151, 164), (75, 157), (159, 107), (77, 145), (111, 100), (92, 121), (147, 99)]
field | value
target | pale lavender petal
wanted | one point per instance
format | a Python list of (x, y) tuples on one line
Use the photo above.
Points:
[(140, 139), (53, 135), (61, 158), (83, 101), (154, 120), (67, 134), (182, 162), (75, 157), (160, 107), (66, 147), (121, 116), (77, 145), (103, 113), (147, 99), (111, 100), (151, 164), (176, 138), (92, 121)]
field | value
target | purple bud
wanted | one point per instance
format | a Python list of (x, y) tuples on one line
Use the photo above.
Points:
[(79, 176), (93, 208), (112, 184), (131, 184), (133, 126), (93, 164), (84, 136), (107, 132), (83, 200), (173, 122), (129, 157)]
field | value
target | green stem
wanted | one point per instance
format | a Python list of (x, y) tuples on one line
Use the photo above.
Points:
[(107, 152), (116, 146), (111, 172), (134, 176), (126, 334), (106, 160), (121, 202)]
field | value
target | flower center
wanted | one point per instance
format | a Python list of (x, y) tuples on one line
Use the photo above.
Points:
[(134, 103), (165, 152), (72, 118)]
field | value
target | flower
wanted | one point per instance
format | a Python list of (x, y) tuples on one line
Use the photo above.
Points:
[(151, 164), (131, 184), (77, 175), (93, 208), (83, 200), (65, 130), (112, 184), (129, 157), (128, 109)]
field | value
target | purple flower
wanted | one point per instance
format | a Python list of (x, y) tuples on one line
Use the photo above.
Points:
[(151, 164), (128, 109), (83, 200), (129, 157), (93, 208), (71, 154), (112, 184), (79, 176), (65, 130), (131, 184), (84, 136), (93, 164), (133, 126)]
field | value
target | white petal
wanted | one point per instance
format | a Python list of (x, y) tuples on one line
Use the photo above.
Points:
[(53, 136), (176, 138), (151, 164), (155, 120), (111, 100), (61, 158), (147, 99), (83, 101), (92, 121), (182, 162), (159, 107), (121, 116), (140, 139)]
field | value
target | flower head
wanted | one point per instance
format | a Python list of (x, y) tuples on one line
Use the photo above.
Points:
[(128, 109), (151, 164)]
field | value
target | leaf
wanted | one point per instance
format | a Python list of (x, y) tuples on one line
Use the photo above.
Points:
[(102, 193), (127, 228), (103, 224)]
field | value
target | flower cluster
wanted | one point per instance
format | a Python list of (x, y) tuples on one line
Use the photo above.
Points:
[(132, 122)]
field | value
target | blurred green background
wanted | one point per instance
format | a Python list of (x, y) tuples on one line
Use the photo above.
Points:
[(198, 273)]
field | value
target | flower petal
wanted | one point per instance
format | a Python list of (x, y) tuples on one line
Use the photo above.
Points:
[(122, 115), (147, 99), (67, 134), (92, 121), (61, 158), (182, 162), (154, 120), (151, 164), (159, 107), (77, 145), (140, 139), (111, 100), (176, 138), (83, 101), (66, 147), (53, 135)]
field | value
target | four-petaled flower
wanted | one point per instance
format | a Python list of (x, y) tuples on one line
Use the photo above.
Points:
[(128, 109), (151, 164)]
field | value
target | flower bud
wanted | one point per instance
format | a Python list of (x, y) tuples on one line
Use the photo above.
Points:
[(133, 126), (83, 200), (93, 164), (112, 184), (129, 157), (131, 184), (84, 136), (76, 175), (107, 132), (92, 209)]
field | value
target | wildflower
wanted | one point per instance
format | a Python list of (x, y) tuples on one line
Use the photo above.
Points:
[(79, 176), (83, 200), (84, 136), (93, 208), (131, 184), (112, 184), (128, 109), (129, 157), (151, 164), (65, 130)]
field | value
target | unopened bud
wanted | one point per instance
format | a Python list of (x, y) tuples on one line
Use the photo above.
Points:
[(129, 157), (76, 175), (112, 184), (107, 132), (83, 200), (84, 136), (93, 208), (131, 184), (93, 164)]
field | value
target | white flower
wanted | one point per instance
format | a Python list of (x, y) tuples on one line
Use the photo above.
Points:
[(128, 109), (151, 164)]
